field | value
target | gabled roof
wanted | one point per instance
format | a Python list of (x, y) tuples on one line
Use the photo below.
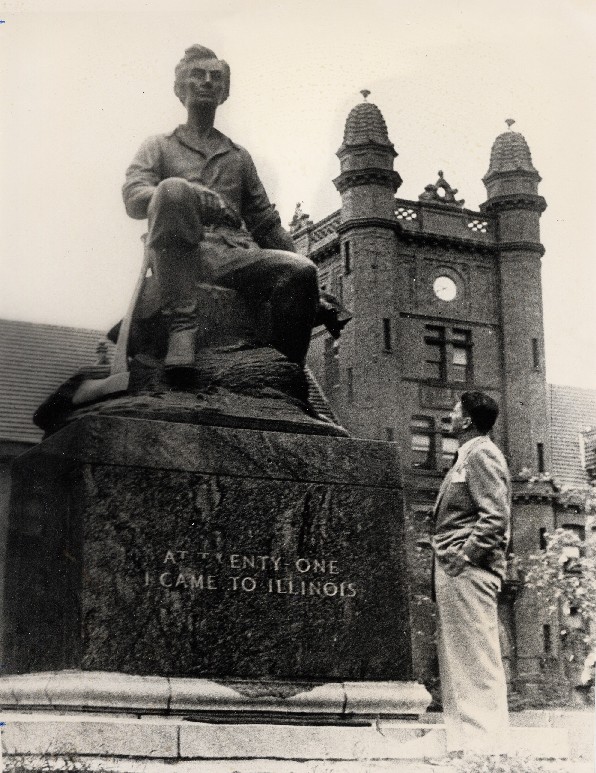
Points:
[(572, 411), (34, 360)]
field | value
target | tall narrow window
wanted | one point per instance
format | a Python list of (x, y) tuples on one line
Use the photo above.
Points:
[(331, 365), (547, 639), (423, 442), (449, 444), (387, 343), (337, 285), (435, 354), (449, 449), (347, 258), (389, 434), (448, 355), (535, 354), (540, 455), (543, 539), (460, 365), (350, 380)]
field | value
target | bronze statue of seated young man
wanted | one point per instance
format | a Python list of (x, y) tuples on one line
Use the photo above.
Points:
[(210, 221), (222, 322)]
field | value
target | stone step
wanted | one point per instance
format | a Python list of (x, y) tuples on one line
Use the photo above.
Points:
[(119, 765), (175, 739)]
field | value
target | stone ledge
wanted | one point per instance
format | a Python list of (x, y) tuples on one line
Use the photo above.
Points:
[(308, 743), (177, 740), (189, 695), (115, 765), (85, 690), (155, 444), (44, 734), (99, 690)]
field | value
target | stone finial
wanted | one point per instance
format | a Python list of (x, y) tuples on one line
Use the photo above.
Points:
[(510, 122), (365, 93), (300, 219), (447, 197)]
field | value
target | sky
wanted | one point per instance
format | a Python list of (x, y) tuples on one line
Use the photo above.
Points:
[(83, 84)]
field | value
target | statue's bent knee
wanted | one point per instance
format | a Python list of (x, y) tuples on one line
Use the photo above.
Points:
[(173, 191)]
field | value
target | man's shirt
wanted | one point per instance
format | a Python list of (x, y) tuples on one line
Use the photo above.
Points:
[(213, 161)]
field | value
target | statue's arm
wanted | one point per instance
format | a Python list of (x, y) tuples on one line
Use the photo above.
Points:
[(259, 214), (142, 177), (276, 238)]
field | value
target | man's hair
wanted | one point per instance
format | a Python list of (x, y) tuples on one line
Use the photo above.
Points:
[(192, 54), (481, 409)]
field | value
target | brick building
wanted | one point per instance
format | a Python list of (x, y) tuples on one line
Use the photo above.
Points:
[(444, 299)]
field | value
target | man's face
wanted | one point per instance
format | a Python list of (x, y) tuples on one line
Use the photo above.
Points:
[(459, 421), (204, 82)]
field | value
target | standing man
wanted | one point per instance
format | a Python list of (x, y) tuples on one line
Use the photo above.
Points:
[(471, 532)]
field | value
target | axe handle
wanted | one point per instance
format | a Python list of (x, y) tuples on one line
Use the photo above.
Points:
[(120, 361)]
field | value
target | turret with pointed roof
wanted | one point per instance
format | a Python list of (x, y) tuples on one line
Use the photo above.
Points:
[(367, 182), (511, 169), (513, 199)]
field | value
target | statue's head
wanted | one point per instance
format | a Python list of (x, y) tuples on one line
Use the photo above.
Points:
[(202, 75)]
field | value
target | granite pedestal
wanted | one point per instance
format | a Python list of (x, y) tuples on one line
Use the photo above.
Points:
[(268, 559)]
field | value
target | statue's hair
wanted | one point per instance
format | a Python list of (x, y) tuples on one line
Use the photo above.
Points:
[(192, 54)]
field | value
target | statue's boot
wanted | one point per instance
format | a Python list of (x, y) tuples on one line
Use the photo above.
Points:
[(180, 360)]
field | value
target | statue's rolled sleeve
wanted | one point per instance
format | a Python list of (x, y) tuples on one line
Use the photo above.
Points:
[(142, 178)]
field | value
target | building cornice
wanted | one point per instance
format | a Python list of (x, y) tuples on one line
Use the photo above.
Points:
[(328, 250), (360, 149), (511, 174), (529, 201), (534, 247), (449, 242), (369, 222), (369, 176)]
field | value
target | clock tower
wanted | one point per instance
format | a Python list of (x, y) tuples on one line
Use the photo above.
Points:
[(444, 299)]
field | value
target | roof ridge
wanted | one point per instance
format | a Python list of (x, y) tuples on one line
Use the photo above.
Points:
[(50, 325)]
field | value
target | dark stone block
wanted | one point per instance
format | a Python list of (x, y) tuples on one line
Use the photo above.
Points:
[(154, 548)]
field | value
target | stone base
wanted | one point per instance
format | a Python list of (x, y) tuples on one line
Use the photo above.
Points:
[(128, 724), (150, 547), (262, 701), (109, 744)]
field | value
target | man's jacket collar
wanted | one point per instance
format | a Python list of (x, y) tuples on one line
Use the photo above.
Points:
[(218, 144), (466, 447)]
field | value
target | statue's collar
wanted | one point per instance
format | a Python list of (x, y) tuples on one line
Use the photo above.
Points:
[(214, 144)]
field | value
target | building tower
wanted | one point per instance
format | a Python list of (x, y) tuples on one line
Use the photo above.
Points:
[(515, 207), (367, 240), (445, 299), (513, 201)]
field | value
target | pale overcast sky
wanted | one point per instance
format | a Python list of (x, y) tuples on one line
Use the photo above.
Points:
[(83, 84)]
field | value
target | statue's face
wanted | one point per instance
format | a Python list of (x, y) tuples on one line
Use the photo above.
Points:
[(203, 82)]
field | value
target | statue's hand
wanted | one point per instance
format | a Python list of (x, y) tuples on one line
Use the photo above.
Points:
[(211, 203)]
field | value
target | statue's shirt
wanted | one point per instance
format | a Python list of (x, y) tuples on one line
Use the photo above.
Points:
[(214, 161)]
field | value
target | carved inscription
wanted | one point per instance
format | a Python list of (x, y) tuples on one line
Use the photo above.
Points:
[(250, 573)]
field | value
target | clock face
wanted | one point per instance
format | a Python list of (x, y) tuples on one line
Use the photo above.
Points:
[(445, 288)]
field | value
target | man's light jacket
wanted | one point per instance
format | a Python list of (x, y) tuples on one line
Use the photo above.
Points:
[(472, 513)]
